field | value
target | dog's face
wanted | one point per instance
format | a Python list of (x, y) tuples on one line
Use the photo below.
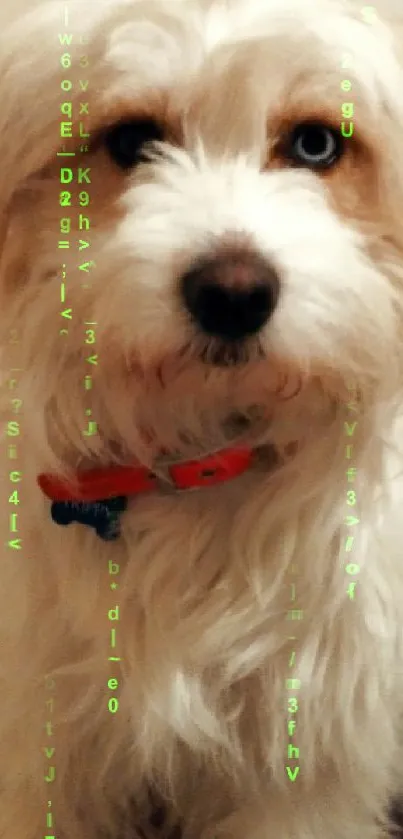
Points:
[(245, 257)]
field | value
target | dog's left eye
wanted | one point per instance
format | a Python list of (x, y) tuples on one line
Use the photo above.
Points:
[(315, 145), (126, 142)]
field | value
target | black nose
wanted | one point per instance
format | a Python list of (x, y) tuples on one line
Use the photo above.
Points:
[(231, 296)]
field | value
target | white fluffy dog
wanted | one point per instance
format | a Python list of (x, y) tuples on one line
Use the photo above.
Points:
[(218, 284)]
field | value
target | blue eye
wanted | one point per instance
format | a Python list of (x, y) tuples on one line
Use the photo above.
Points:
[(315, 145), (126, 142)]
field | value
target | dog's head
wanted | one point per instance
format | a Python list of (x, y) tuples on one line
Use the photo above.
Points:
[(228, 247)]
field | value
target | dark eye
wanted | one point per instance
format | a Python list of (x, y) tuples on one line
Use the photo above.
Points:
[(126, 141), (315, 145)]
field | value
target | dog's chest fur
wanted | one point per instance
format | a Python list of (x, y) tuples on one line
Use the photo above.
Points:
[(230, 617)]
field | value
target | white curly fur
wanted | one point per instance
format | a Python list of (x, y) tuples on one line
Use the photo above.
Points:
[(204, 583)]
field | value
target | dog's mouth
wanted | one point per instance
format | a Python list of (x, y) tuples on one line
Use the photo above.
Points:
[(276, 377), (209, 409), (230, 353)]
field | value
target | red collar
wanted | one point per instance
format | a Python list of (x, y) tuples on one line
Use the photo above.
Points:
[(131, 480)]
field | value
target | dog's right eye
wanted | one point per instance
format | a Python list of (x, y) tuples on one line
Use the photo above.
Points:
[(126, 142), (314, 145)]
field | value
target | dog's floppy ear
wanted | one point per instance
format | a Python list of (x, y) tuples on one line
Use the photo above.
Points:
[(41, 48), (39, 51), (18, 150), (30, 96), (29, 93)]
